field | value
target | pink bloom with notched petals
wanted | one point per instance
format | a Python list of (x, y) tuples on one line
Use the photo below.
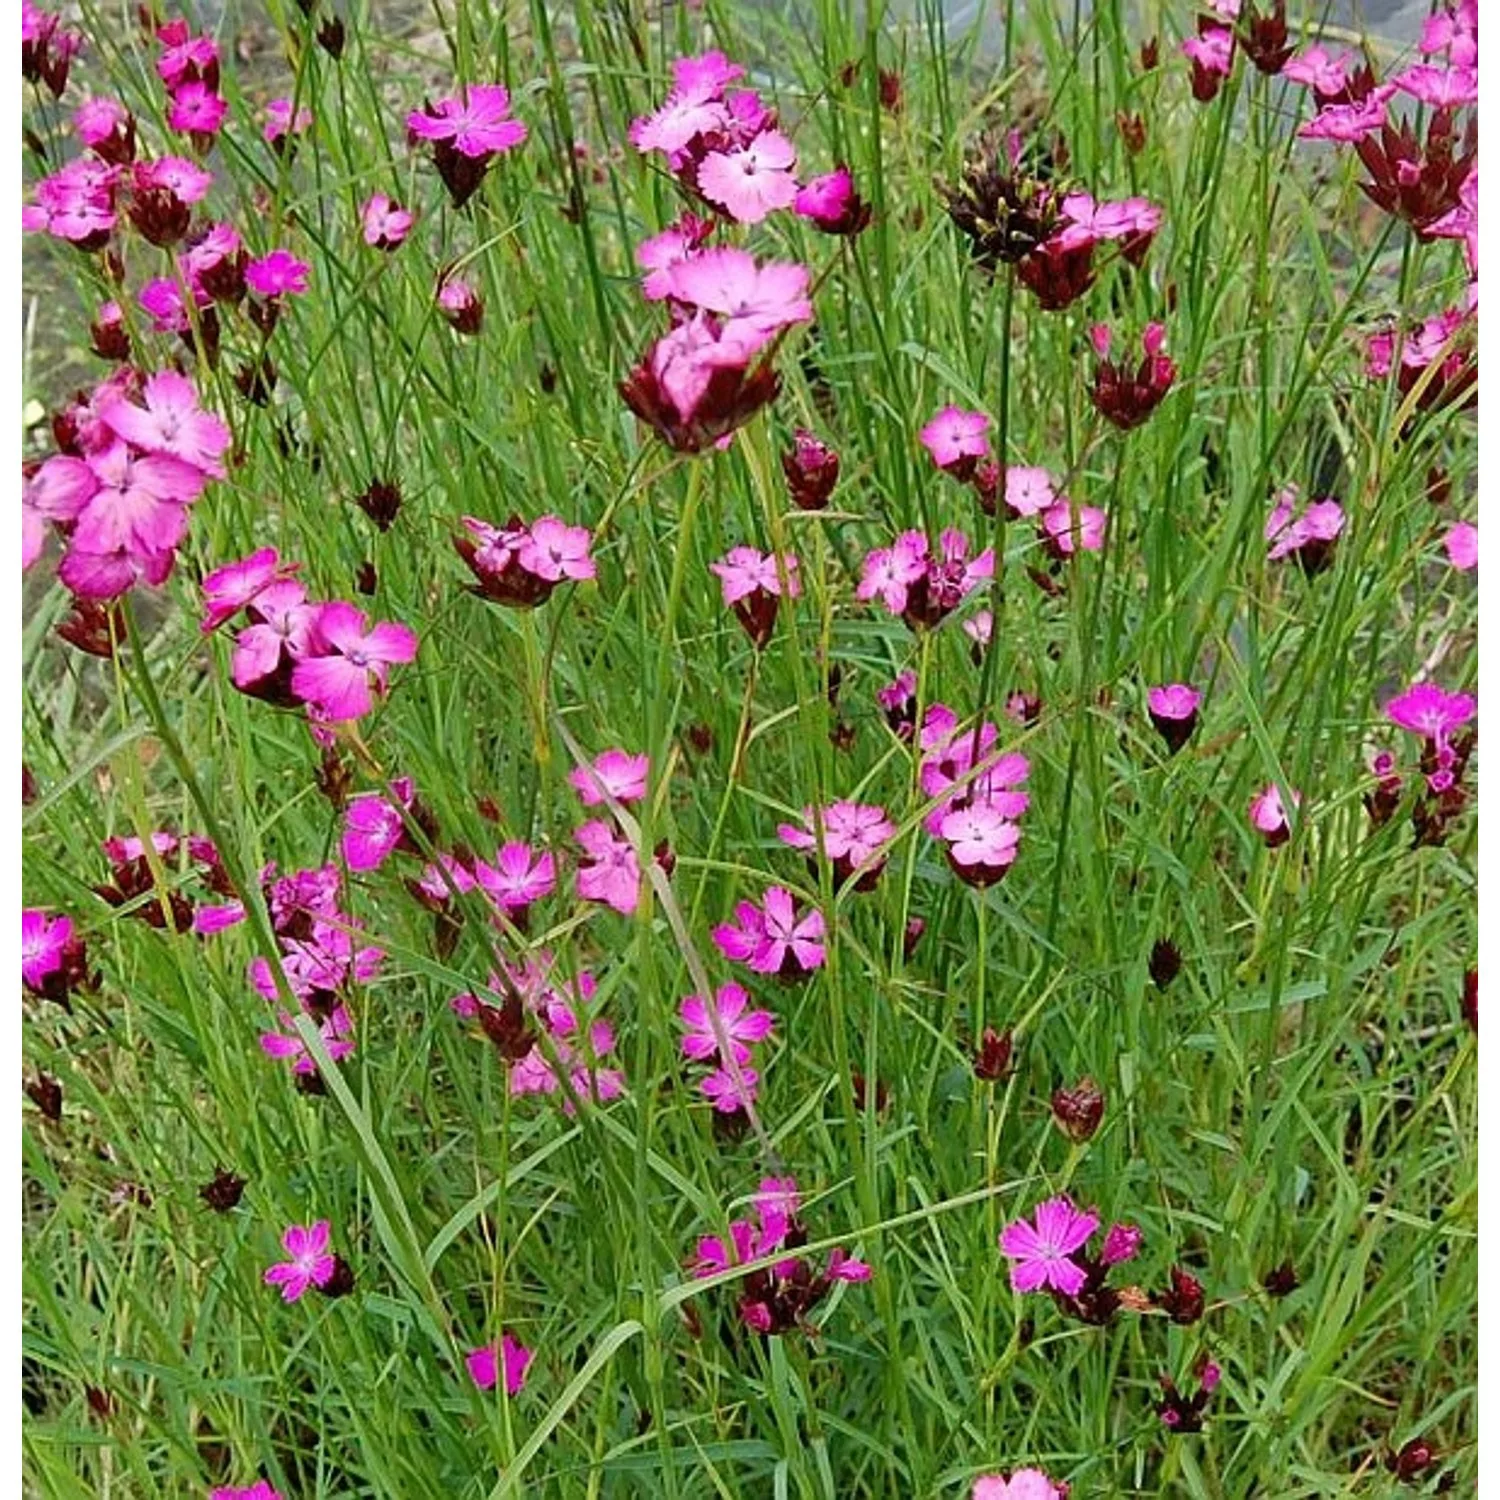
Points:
[(753, 181), (76, 203), (1029, 491), (731, 1091), (957, 440), (141, 503), (1427, 710), (1318, 70), (856, 838), (1454, 30), (171, 423), (981, 842), (659, 254), (349, 661), (281, 121), (739, 1026), (1174, 700), (1268, 814), (1042, 1251), (105, 126), (229, 589), (310, 1264), (1067, 527), (260, 1490), (278, 274), (616, 772), (753, 300), (1212, 50), (43, 941), (611, 872), (187, 59), (889, 572), (478, 124), (335, 1030), (281, 630), (744, 571), (1349, 123), (374, 827), (1442, 88), (1461, 543), (1023, 1484), (486, 1365), (385, 223), (552, 550), (162, 299), (774, 940), (518, 877), (196, 110)]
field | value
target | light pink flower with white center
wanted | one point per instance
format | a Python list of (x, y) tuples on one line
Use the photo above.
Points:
[(518, 877), (1042, 1251), (478, 124), (1426, 709), (679, 122), (284, 622), (856, 837), (957, 440), (310, 1265), (753, 181), (278, 274), (553, 550), (753, 300), (616, 772), (140, 506), (979, 839), (1024, 1484), (509, 1358), (384, 222), (889, 572), (171, 422), (612, 871), (350, 661), (1461, 543), (1089, 221), (304, 969), (1069, 527), (282, 120), (229, 589), (658, 255), (731, 1092), (739, 1026), (1029, 491), (1318, 70), (743, 571)]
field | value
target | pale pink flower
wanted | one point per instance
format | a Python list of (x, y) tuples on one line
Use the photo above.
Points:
[(281, 631), (611, 871), (981, 842), (738, 1025), (659, 254), (1268, 814), (310, 1265), (384, 222), (616, 772), (552, 550), (753, 181), (1042, 1251), (957, 440), (282, 121), (1442, 88), (307, 970), (753, 300), (1348, 123), (1024, 1484), (744, 570), (1213, 51), (1461, 543), (172, 423), (1068, 526), (1029, 491), (508, 1357)]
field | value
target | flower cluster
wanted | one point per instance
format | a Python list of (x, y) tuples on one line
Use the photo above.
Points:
[(921, 587), (54, 960), (721, 1031), (520, 565), (777, 1298), (774, 937), (856, 837), (1124, 396), (293, 651), (135, 459), (47, 48), (132, 884), (1436, 717), (975, 794), (1437, 359), (610, 871), (1061, 269)]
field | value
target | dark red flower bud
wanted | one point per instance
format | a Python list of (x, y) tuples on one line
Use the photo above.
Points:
[(1470, 1002), (341, 1282), (381, 502), (1183, 1301), (1077, 1111), (101, 1403), (331, 37), (1412, 1460), (1150, 54), (1132, 130), (1264, 37), (811, 469), (1165, 962), (915, 927), (890, 91), (992, 1059), (665, 857), (1282, 1281), (1439, 485), (46, 1094), (107, 336), (223, 1192), (1058, 276)]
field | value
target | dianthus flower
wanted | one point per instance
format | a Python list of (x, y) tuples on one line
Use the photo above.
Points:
[(310, 1264), (1023, 1484), (732, 1019), (1067, 528), (54, 961), (1173, 708), (752, 301), (1308, 537), (957, 440), (535, 1073), (197, 111), (461, 305), (831, 204), (335, 1030), (467, 132), (1427, 710), (919, 587), (106, 128), (1268, 815), (616, 773), (518, 877), (773, 939), (374, 827), (1042, 1253), (385, 223), (751, 181), (508, 1358), (260, 1490), (1211, 53), (811, 468), (856, 838), (610, 871), (520, 565), (229, 589), (1127, 398), (283, 122), (751, 583), (348, 662), (1461, 543), (279, 274)]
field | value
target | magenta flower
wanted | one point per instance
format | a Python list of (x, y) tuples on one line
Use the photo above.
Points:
[(752, 181), (554, 551), (186, 59), (374, 828), (76, 203), (107, 129), (753, 301), (260, 1490), (752, 588), (898, 701), (476, 125), (1442, 88), (981, 843), (1068, 527), (1211, 53), (486, 1364), (731, 1091), (1122, 1242), (44, 942), (461, 305), (1024, 1484), (616, 773), (610, 872), (280, 634), (278, 274), (310, 1265), (229, 589), (518, 877), (831, 203), (1327, 76), (1042, 1252), (811, 469), (739, 1026), (534, 1073), (520, 565), (692, 109), (386, 224), (348, 662), (311, 972), (196, 110), (957, 440), (1425, 709), (659, 254), (282, 121), (923, 589), (1268, 815), (1309, 537), (856, 838), (1461, 543), (171, 423), (774, 940), (1174, 712)]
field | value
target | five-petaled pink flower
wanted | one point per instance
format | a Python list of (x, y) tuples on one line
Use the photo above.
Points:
[(730, 1019), (478, 124), (1023, 1484), (509, 1357), (278, 274), (752, 181), (518, 877), (1461, 543), (1425, 709), (260, 1490), (1042, 1251), (171, 422), (616, 773), (957, 440), (611, 871), (349, 661), (43, 940), (283, 121), (774, 940), (385, 223), (374, 827), (310, 1265)]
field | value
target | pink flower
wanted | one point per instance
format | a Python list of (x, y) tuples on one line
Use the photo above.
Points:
[(1308, 537), (1212, 51), (981, 843), (744, 571), (485, 1364), (831, 203), (76, 203), (1348, 123), (774, 940), (1176, 700), (659, 254), (739, 1026), (754, 301), (461, 305), (616, 772), (856, 838), (611, 871), (171, 423), (106, 127), (553, 550), (196, 110), (44, 940), (1121, 1243), (957, 440), (187, 59), (1455, 30), (260, 1490), (731, 1092), (1442, 88), (1024, 1484), (1068, 526), (1425, 709), (310, 1264), (1316, 69), (374, 828), (1268, 816), (278, 274), (889, 572), (1041, 1253), (1029, 491), (229, 589), (753, 181), (281, 632), (477, 125), (518, 877), (307, 969), (1462, 546), (281, 121), (348, 662), (162, 299), (520, 565), (385, 222)]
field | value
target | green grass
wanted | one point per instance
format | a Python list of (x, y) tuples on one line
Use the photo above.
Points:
[(1305, 1089)]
